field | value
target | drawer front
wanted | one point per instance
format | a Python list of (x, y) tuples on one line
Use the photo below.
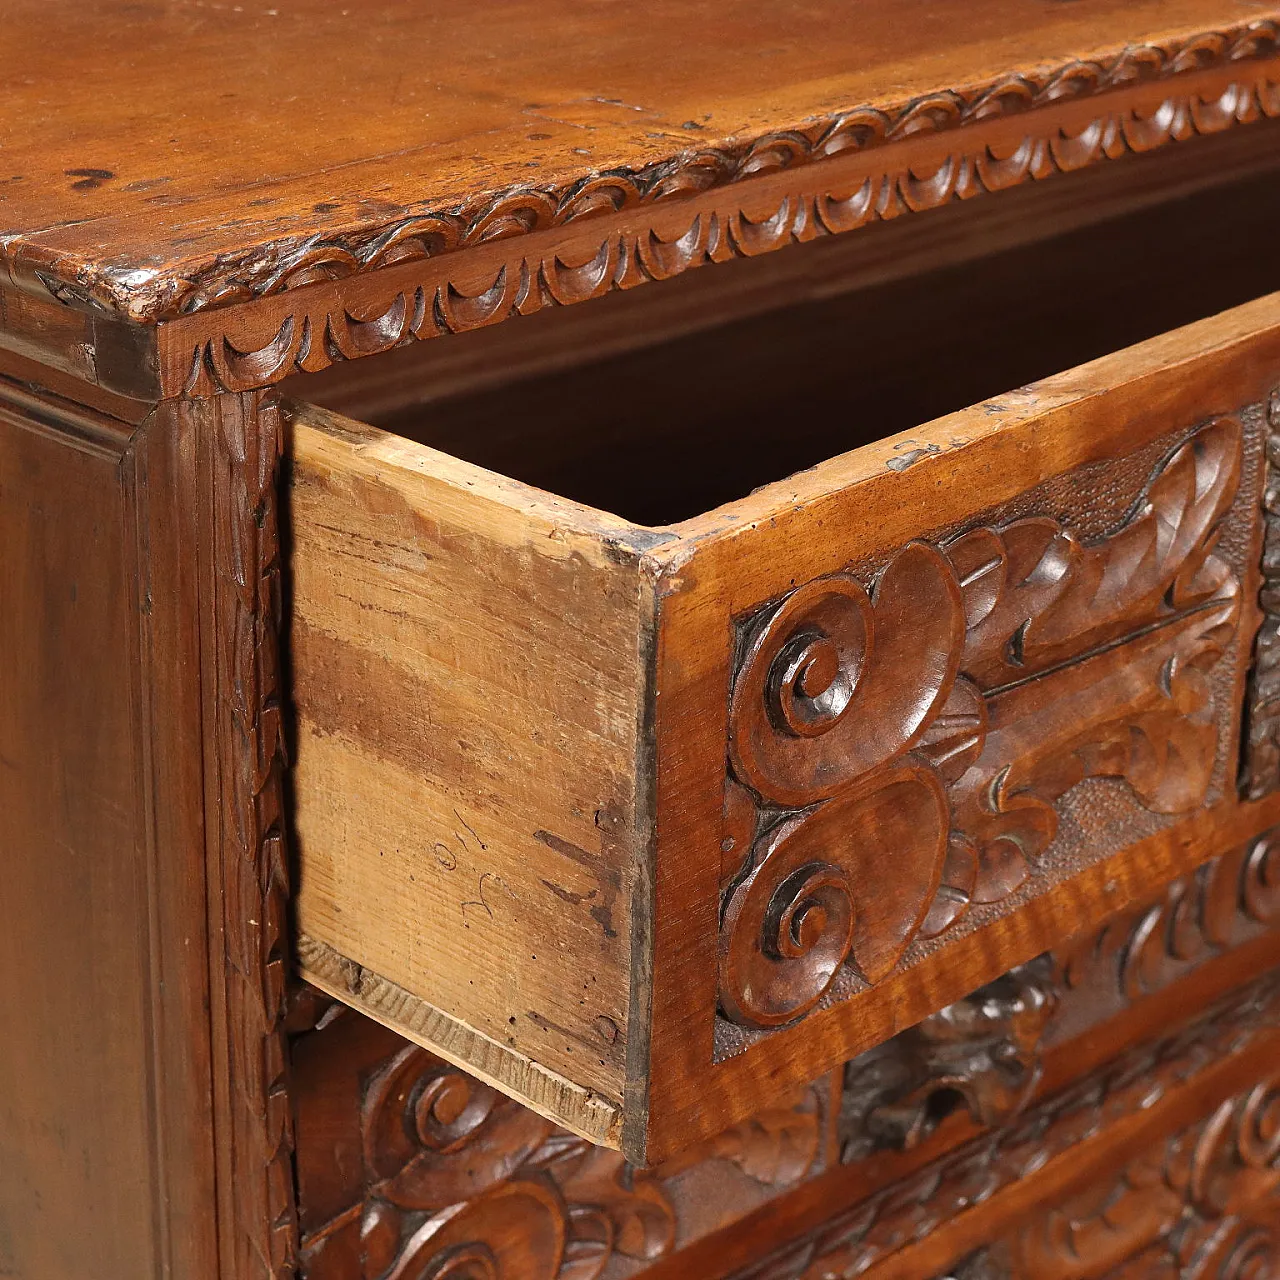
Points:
[(947, 700), (650, 826)]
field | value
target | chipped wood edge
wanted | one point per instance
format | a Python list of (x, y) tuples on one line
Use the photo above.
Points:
[(579, 1110)]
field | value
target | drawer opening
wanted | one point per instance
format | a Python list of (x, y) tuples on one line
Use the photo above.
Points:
[(684, 424)]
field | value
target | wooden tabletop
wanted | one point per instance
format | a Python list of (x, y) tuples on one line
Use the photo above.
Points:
[(162, 156)]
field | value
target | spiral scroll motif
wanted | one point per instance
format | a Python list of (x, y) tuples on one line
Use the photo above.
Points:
[(832, 661), (793, 919), (426, 1123), (516, 1231), (922, 732)]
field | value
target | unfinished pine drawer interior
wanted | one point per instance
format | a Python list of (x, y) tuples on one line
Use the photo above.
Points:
[(672, 726)]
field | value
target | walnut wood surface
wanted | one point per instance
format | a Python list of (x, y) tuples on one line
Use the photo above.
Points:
[(106, 1122), (65, 496), (593, 116), (243, 700)]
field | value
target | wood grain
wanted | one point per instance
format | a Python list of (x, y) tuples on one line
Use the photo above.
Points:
[(105, 1111), (1080, 1138), (402, 1157), (395, 1144), (469, 670)]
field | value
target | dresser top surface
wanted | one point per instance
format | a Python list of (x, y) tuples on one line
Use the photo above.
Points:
[(164, 156)]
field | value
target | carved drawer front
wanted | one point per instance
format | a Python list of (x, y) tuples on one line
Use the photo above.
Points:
[(649, 826)]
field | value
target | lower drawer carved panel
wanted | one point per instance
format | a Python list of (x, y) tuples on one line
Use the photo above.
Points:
[(1240, 1033), (451, 1175), (409, 1168)]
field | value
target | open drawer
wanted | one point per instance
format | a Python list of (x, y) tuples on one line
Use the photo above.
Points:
[(650, 821)]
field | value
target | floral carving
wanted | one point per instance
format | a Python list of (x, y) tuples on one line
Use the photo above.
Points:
[(917, 736)]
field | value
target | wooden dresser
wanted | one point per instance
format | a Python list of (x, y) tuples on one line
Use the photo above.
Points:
[(770, 775)]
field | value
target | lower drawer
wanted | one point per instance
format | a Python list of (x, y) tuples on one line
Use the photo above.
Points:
[(650, 821), (1100, 1110)]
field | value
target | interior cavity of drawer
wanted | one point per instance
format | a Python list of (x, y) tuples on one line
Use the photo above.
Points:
[(649, 794)]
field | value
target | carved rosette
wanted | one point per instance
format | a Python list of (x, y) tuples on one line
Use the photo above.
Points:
[(898, 750), (460, 1182)]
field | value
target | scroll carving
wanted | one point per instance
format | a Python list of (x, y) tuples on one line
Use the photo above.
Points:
[(982, 1053), (857, 1239), (917, 736), (1261, 773), (460, 1182)]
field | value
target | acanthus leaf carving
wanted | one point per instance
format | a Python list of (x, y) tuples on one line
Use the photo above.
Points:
[(1143, 949), (245, 444), (916, 738)]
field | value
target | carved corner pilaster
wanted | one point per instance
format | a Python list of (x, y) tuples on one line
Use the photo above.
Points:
[(239, 439)]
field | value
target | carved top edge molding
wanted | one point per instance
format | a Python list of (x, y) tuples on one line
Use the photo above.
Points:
[(261, 271)]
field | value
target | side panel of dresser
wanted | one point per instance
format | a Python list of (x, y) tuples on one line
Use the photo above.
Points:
[(105, 1145), (144, 1123)]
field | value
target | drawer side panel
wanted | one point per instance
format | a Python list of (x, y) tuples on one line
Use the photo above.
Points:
[(468, 688)]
